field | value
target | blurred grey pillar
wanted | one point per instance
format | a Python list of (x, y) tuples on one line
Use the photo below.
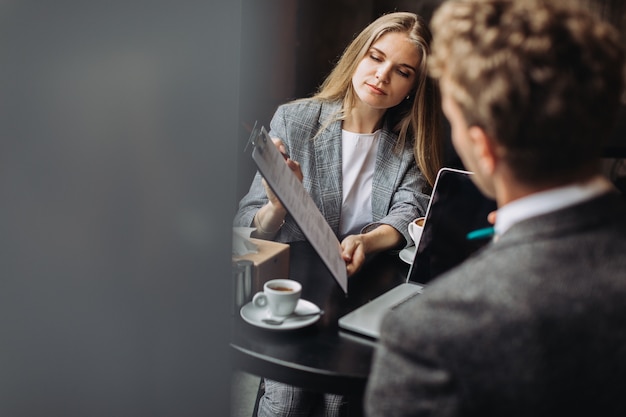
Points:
[(117, 142)]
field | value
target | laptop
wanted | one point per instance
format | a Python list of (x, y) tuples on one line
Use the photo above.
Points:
[(456, 208)]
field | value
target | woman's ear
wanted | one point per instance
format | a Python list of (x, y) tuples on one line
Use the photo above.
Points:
[(484, 150)]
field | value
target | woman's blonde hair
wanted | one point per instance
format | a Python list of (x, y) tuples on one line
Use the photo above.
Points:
[(417, 119)]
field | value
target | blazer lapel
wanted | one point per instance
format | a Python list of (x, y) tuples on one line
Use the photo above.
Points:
[(385, 175), (327, 147)]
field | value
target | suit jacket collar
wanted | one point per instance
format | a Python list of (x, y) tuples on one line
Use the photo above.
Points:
[(551, 200), (587, 214)]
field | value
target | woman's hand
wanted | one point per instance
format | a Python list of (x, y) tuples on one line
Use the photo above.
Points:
[(293, 165), (355, 248), (353, 252), (269, 219), (273, 200)]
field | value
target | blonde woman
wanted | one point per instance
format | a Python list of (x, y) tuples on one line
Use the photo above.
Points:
[(367, 147)]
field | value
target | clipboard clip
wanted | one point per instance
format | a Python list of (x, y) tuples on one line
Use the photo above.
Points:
[(258, 138)]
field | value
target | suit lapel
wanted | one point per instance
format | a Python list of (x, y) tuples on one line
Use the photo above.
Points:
[(328, 159), (385, 175)]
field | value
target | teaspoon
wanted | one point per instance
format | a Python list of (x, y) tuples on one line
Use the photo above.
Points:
[(279, 321)]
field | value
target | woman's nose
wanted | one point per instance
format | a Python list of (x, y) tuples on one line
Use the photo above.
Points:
[(382, 74)]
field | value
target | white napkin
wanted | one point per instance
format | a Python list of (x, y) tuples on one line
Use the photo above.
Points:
[(242, 244)]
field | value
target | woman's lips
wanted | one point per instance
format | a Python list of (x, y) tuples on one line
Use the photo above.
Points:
[(375, 89)]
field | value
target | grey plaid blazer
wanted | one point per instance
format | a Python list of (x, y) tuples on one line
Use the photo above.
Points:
[(397, 186)]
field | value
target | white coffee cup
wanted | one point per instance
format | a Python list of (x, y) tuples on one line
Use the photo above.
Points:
[(415, 229), (280, 295)]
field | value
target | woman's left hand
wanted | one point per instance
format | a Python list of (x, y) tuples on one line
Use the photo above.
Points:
[(353, 253), (355, 248)]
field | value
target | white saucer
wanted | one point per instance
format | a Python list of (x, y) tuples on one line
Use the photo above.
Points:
[(408, 254), (253, 315)]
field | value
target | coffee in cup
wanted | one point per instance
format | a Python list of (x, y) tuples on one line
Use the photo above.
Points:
[(281, 296), (415, 229)]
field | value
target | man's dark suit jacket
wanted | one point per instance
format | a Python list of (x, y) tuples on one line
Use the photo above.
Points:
[(532, 325)]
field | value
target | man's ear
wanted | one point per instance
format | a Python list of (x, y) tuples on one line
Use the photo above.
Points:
[(484, 150)]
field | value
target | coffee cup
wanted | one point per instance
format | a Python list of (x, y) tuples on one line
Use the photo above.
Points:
[(415, 229), (279, 295)]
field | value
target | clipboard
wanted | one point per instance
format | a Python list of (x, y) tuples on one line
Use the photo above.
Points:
[(298, 203)]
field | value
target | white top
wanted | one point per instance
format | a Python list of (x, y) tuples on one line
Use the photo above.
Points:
[(358, 152), (547, 201)]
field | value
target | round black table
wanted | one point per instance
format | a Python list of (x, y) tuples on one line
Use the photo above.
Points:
[(321, 356)]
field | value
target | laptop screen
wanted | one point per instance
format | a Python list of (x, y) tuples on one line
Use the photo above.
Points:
[(456, 208)]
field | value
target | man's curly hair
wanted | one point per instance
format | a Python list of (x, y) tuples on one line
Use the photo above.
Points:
[(542, 78)]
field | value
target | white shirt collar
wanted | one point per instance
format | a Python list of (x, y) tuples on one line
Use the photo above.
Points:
[(548, 201)]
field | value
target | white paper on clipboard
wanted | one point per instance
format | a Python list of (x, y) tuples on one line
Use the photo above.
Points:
[(298, 203)]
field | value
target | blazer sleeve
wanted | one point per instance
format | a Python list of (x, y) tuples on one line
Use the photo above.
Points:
[(291, 122), (256, 196), (250, 203)]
